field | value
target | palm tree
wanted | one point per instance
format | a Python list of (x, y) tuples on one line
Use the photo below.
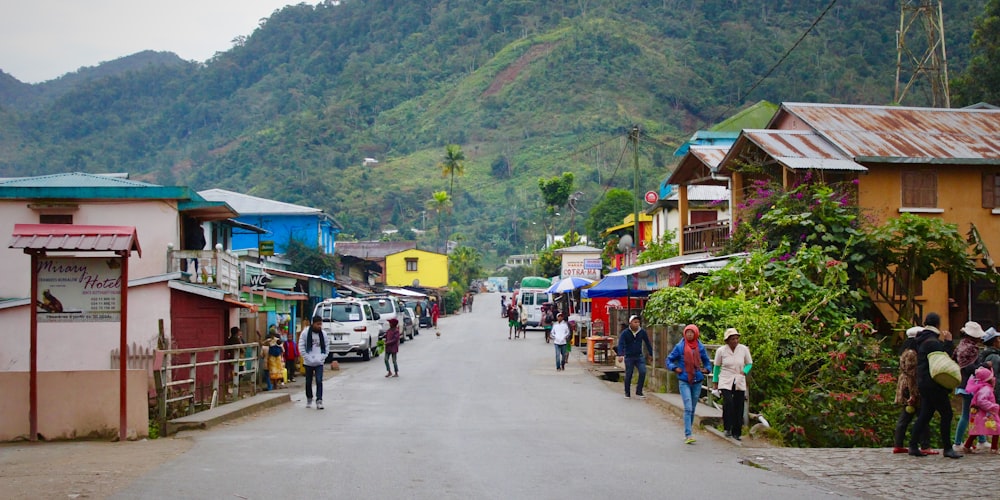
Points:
[(440, 203), (453, 163)]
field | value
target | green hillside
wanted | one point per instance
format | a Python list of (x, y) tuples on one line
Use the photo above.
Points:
[(527, 89)]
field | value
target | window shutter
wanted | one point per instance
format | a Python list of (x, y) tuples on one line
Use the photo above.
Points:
[(989, 190)]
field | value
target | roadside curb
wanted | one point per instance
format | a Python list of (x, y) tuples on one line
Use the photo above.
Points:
[(227, 412)]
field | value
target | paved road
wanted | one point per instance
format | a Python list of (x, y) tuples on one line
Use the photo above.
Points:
[(472, 415)]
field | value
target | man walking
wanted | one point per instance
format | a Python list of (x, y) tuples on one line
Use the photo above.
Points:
[(312, 345), (629, 347), (560, 333)]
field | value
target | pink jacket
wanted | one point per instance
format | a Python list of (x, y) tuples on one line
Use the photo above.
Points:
[(981, 387)]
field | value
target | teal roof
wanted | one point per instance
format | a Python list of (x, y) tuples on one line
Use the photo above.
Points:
[(83, 186)]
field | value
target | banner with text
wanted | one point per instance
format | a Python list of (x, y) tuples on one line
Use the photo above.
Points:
[(78, 289)]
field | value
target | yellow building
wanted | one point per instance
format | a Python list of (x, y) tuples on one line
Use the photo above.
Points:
[(940, 163), (416, 268)]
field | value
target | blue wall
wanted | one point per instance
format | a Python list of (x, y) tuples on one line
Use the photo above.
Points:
[(313, 230)]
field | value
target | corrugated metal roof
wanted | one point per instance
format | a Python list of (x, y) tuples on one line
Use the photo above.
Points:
[(896, 132), (74, 179), (700, 192), (797, 149), (373, 249), (710, 155), (74, 237), (251, 205)]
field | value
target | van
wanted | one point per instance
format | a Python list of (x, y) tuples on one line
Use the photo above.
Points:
[(350, 326), (531, 296)]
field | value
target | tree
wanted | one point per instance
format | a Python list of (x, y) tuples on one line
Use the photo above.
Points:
[(440, 204), (981, 79), (662, 248), (464, 265), (452, 164), (309, 260), (608, 212), (918, 247), (555, 194)]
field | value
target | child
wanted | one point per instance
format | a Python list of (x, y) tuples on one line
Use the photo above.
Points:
[(275, 362), (983, 413)]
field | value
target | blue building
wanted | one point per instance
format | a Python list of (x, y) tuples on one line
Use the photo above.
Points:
[(282, 221)]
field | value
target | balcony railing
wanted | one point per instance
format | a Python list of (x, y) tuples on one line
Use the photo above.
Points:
[(213, 268), (706, 236)]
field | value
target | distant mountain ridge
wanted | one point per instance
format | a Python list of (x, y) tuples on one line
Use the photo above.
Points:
[(528, 89)]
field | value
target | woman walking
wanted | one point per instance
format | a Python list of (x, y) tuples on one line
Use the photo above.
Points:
[(312, 345), (392, 347), (732, 364), (689, 361)]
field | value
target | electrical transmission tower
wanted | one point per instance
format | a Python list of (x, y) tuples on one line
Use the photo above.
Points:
[(920, 51)]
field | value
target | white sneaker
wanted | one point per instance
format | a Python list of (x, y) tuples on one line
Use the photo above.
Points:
[(640, 396), (319, 404), (309, 403)]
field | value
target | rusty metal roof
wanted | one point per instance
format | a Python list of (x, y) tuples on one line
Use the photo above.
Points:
[(370, 250), (896, 133), (698, 165), (73, 237), (797, 149)]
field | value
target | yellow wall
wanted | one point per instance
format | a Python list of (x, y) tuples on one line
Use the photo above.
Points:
[(960, 199), (432, 269)]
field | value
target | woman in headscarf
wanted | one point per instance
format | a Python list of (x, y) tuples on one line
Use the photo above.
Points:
[(690, 362)]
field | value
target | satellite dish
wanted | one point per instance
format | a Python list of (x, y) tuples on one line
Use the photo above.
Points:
[(625, 242), (416, 282)]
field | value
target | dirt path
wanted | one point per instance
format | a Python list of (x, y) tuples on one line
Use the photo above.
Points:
[(80, 469)]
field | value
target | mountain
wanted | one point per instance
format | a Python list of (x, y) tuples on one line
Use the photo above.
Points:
[(528, 89)]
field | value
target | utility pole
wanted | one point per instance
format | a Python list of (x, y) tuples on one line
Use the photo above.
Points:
[(634, 138), (922, 19)]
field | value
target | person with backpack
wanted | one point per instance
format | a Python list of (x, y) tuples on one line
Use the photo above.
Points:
[(966, 355), (934, 396)]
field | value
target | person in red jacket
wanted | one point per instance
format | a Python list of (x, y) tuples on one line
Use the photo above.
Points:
[(435, 312), (291, 353)]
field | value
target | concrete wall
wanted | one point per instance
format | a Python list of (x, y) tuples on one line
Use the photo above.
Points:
[(72, 405), (155, 221), (82, 346), (432, 269)]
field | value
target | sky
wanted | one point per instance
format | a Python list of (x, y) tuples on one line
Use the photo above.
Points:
[(44, 39)]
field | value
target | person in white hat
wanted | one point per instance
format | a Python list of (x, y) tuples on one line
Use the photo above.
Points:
[(731, 366), (966, 354)]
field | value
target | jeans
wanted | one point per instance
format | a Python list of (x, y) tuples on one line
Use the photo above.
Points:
[(637, 364), (732, 411), (394, 365), (314, 371), (933, 399), (689, 394), (963, 421), (561, 356)]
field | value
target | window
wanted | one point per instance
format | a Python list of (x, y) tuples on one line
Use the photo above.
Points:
[(55, 218), (919, 189), (411, 264), (991, 190)]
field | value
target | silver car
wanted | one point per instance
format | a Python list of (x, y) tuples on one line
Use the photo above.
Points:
[(350, 326)]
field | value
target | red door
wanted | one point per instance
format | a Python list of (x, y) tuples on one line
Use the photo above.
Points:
[(198, 321)]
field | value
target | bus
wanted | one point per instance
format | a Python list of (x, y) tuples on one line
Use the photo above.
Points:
[(531, 296)]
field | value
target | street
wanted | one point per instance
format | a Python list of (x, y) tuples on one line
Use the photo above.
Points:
[(472, 415)]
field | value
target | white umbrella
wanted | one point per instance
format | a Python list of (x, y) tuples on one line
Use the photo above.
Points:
[(568, 284)]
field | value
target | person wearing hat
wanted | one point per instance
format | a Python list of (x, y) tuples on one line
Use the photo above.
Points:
[(908, 395), (689, 361), (966, 355), (732, 364), (934, 398), (392, 337), (990, 357), (629, 349)]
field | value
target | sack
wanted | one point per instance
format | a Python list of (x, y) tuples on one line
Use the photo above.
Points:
[(274, 350), (944, 370)]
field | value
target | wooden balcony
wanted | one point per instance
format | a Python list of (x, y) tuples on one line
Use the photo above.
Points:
[(705, 236), (214, 268)]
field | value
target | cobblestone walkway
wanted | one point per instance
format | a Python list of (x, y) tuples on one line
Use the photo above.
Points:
[(878, 473)]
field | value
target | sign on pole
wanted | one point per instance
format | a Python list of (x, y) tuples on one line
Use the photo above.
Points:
[(79, 289)]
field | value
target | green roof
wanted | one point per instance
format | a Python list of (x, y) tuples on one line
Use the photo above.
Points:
[(535, 282), (756, 116)]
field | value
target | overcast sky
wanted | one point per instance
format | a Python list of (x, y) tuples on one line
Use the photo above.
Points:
[(44, 39)]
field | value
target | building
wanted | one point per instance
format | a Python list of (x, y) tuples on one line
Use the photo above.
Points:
[(935, 162), (363, 262), (281, 221), (416, 268)]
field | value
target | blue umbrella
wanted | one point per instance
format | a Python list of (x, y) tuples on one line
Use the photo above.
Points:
[(568, 284)]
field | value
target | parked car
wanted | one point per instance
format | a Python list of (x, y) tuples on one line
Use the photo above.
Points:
[(389, 307), (351, 325), (424, 319), (411, 320)]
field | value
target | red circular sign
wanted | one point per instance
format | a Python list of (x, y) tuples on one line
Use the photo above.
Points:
[(651, 197)]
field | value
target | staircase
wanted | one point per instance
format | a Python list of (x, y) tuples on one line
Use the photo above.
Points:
[(889, 296)]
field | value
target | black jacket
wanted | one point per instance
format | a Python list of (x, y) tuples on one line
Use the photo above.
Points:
[(927, 342), (630, 345)]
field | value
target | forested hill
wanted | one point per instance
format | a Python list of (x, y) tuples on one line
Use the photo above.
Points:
[(528, 89)]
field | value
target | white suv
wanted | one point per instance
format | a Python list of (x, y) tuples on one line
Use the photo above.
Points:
[(350, 326), (389, 307)]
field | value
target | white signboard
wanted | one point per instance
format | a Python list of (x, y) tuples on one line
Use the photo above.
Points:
[(77, 289), (581, 266)]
